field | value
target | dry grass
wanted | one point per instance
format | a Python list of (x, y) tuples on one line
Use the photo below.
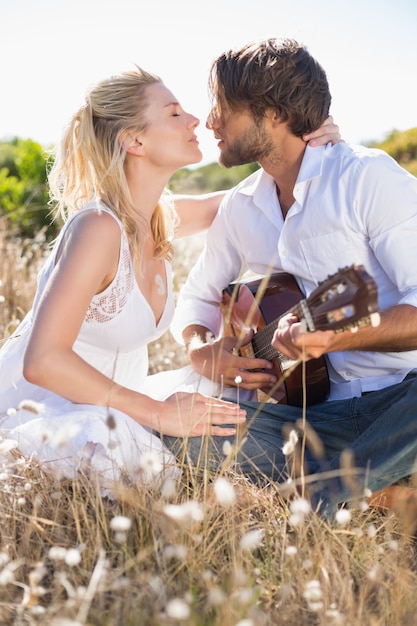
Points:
[(204, 551)]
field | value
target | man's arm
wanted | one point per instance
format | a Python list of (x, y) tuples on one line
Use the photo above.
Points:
[(198, 321), (216, 359), (397, 332)]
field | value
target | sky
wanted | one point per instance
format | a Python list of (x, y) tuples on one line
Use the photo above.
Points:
[(52, 51)]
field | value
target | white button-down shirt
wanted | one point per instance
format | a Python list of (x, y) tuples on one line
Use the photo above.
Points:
[(352, 205)]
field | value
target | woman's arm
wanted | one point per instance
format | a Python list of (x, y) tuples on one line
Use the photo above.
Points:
[(197, 212), (87, 264)]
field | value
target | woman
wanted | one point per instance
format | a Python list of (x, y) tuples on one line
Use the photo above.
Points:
[(72, 374)]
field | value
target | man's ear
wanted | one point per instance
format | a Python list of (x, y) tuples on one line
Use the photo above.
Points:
[(275, 116), (131, 143)]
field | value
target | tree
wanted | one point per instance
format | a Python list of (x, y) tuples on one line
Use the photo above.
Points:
[(402, 146), (23, 189)]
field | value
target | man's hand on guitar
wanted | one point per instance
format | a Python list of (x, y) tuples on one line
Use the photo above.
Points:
[(217, 360), (291, 339)]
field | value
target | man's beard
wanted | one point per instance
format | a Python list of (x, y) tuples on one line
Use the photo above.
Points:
[(252, 147)]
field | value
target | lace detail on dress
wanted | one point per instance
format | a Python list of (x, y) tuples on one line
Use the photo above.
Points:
[(105, 306)]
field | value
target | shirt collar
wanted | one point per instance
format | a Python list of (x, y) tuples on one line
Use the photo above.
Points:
[(311, 165), (261, 186)]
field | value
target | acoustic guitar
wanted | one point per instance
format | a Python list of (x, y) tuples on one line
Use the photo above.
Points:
[(344, 301)]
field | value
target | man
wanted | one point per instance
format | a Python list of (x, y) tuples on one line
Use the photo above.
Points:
[(308, 212)]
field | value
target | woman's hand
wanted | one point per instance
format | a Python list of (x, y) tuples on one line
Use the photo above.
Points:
[(327, 133), (193, 415)]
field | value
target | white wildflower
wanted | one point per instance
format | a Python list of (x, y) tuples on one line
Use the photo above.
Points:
[(65, 433), (245, 595), (240, 577), (393, 545), (312, 591), (252, 539), (334, 617), (227, 448), (186, 514), (57, 553), (120, 523), (21, 501), (10, 412), (363, 506), (207, 575), (7, 444), (150, 463), (296, 519), (72, 557), (37, 574), (291, 550), (343, 517), (28, 486), (178, 609), (372, 531), (300, 508), (156, 585), (224, 492), (169, 488), (6, 576), (238, 380), (313, 595), (38, 610), (179, 552), (375, 572), (47, 435), (215, 596), (289, 446), (33, 407), (300, 505)]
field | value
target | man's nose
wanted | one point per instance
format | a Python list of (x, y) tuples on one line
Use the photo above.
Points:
[(212, 119)]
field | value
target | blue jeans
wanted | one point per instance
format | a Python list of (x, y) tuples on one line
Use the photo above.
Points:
[(379, 428)]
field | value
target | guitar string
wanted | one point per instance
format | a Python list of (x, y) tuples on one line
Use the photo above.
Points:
[(262, 339)]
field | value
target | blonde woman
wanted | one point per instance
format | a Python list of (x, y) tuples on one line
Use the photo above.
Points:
[(71, 375)]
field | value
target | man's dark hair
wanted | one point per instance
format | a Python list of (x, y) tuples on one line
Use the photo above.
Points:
[(273, 73)]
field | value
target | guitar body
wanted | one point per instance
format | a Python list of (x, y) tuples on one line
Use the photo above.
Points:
[(256, 303)]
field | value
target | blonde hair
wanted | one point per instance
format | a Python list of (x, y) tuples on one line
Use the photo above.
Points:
[(89, 164)]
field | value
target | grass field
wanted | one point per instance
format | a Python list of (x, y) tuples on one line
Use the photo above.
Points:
[(206, 550)]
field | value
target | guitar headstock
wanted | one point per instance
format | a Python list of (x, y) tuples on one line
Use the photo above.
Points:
[(345, 300)]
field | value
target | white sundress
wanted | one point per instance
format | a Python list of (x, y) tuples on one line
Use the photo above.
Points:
[(67, 437)]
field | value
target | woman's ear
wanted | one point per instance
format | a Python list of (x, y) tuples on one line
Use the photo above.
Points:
[(131, 143)]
